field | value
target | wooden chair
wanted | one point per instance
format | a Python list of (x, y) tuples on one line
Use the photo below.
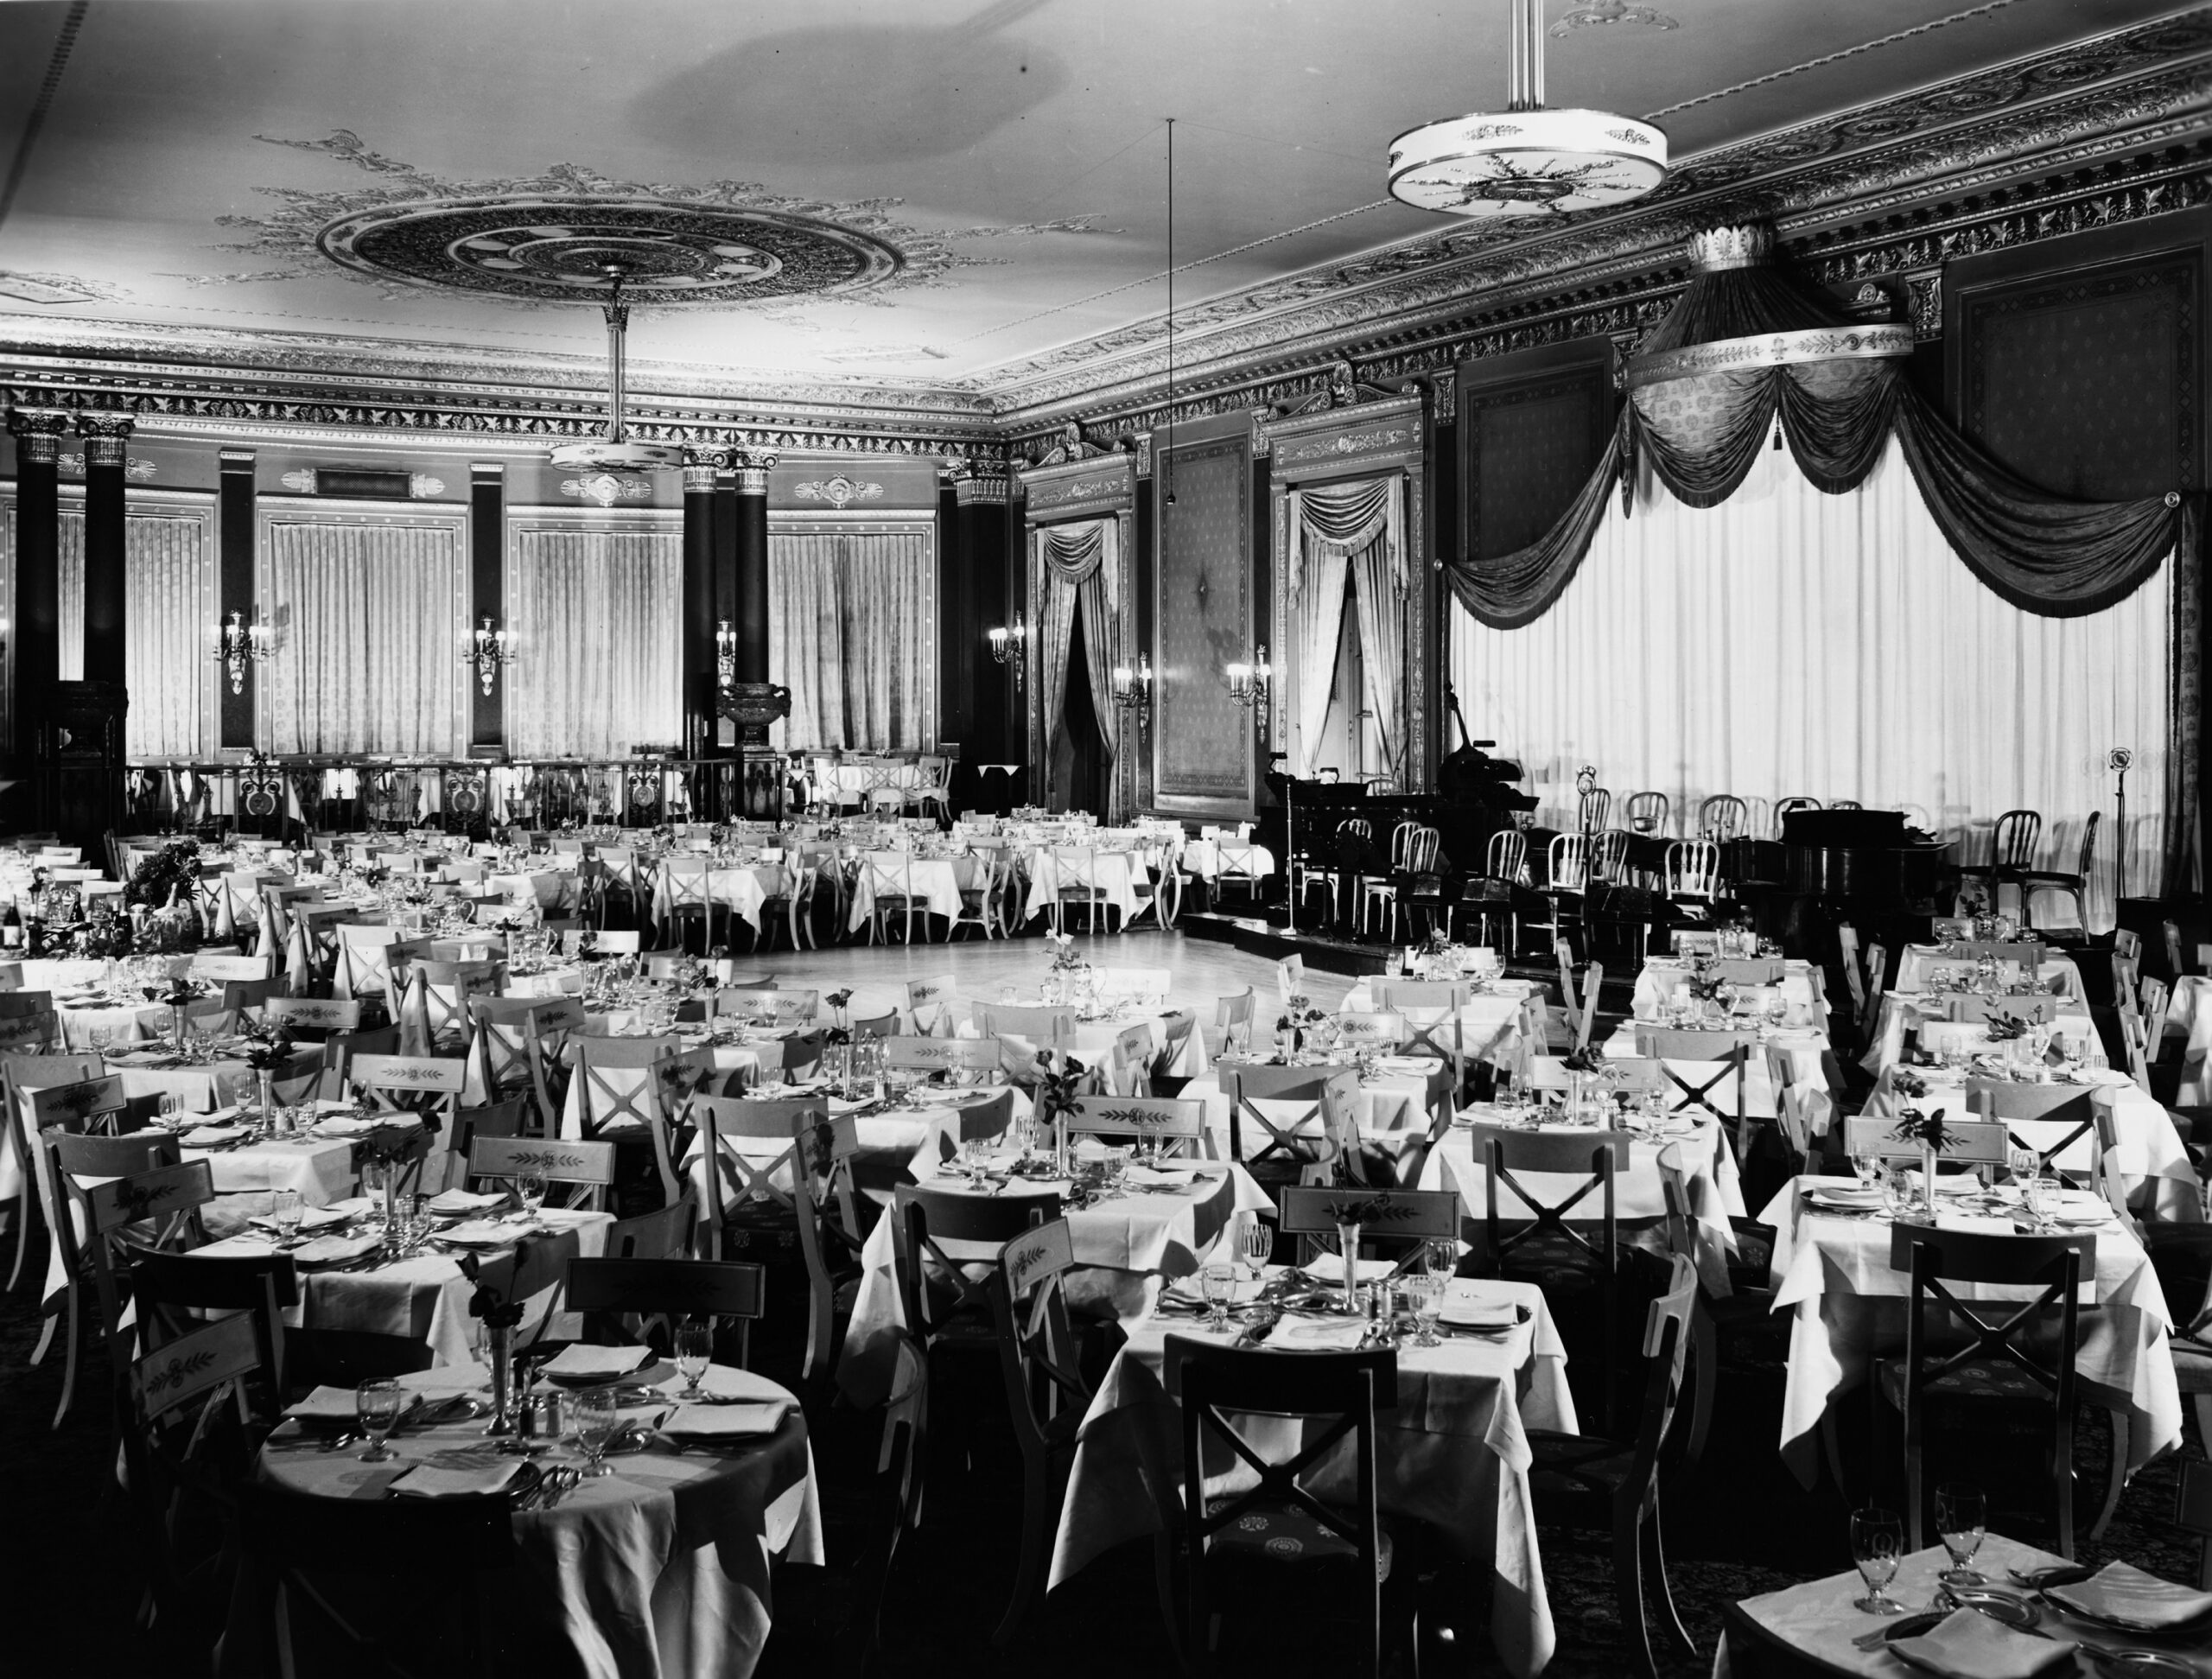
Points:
[(1614, 1484), (583, 1171), (1430, 1009), (2193, 1514), (1046, 1395), (1729, 1053), (1333, 877), (22, 1072), (1232, 1018), (632, 1088), (1647, 813), (187, 1457), (2075, 885), (1784, 807), (954, 1060), (1579, 1254), (1292, 1146), (1722, 818), (1567, 874), (663, 1233), (986, 903), (1692, 876), (172, 1290), (1177, 1127), (2012, 846), (930, 1005), (312, 1019), (434, 1013), (515, 1049), (956, 1309), (662, 1293), (686, 893), (1999, 1360), (428, 1088), (1277, 1545), (1400, 1221), (450, 1560), (793, 907), (750, 1200), (339, 1051), (889, 878)]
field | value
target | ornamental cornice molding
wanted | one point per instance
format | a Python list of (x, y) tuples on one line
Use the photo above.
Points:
[(2151, 89)]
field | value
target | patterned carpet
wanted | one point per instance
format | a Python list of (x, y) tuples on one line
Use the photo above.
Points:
[(1740, 1525)]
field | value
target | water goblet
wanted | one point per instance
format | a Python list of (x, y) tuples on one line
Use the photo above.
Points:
[(1427, 1289), (1255, 1240), (597, 1417), (1876, 1546), (286, 1208), (377, 1406), (530, 1189), (695, 1350), (169, 1106), (1962, 1521), (1218, 1283)]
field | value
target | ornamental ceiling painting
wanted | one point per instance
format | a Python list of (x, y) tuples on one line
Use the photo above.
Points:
[(957, 200)]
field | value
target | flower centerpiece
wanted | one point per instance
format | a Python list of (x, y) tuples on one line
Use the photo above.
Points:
[(1585, 1066), (501, 1317), (1351, 1214), (837, 1042), (178, 992), (1908, 1084), (2003, 1027), (1928, 1131), (268, 1051), (1058, 1094), (1298, 1017)]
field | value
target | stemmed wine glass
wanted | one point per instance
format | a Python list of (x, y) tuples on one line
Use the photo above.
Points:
[(1219, 1283), (1876, 1546), (1256, 1241), (1962, 1520), (287, 1209), (597, 1416), (530, 1189), (376, 1404), (695, 1350)]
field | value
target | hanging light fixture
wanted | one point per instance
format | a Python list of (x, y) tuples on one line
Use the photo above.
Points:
[(616, 452), (1167, 414), (1526, 160)]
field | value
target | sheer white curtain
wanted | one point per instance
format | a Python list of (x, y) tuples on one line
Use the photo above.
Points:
[(1357, 527), (368, 621), (852, 633), (1791, 642), (168, 602), (596, 615)]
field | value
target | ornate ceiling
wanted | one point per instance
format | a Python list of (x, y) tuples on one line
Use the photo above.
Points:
[(953, 214)]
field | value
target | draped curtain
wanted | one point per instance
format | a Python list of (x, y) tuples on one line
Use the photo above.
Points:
[(1360, 527), (594, 614), (1081, 568), (1789, 641), (852, 633), (167, 608), (368, 621)]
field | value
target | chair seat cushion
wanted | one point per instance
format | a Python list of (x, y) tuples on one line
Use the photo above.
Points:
[(1977, 1378), (1279, 1532)]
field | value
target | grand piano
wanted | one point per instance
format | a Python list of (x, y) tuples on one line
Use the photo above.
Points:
[(1475, 799)]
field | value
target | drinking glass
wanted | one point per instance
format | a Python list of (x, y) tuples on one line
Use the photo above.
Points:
[(286, 1208), (376, 1404), (1868, 1166), (1218, 1280), (1876, 1546), (1962, 1519), (596, 1417), (169, 1106), (100, 1038), (1255, 1240), (695, 1350), (530, 1187), (1426, 1290)]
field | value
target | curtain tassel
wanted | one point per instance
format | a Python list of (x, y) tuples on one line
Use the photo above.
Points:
[(1778, 431)]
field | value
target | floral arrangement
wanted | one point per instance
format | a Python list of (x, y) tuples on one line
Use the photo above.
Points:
[(1298, 1014), (165, 878), (487, 1302), (1585, 1059), (177, 991), (1908, 1084), (388, 1144), (1058, 1092), (103, 937), (268, 1044), (1710, 988), (1926, 1130), (837, 1033), (167, 931), (1061, 947), (2004, 1028)]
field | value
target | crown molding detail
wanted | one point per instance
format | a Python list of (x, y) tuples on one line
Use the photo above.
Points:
[(838, 492)]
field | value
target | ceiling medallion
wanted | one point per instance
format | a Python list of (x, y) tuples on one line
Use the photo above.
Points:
[(1526, 160), (558, 249)]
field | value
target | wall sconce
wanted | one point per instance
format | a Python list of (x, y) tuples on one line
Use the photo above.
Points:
[(1248, 684), (1010, 646), (725, 655), (487, 650), (1132, 690), (238, 641)]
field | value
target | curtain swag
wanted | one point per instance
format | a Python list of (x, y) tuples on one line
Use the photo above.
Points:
[(2046, 554), (1339, 521)]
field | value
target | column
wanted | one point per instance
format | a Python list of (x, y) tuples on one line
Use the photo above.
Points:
[(107, 439), (235, 584), (751, 702), (487, 589), (695, 632), (725, 580), (973, 704), (37, 638)]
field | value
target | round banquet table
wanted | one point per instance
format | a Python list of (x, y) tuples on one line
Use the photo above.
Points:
[(660, 1568)]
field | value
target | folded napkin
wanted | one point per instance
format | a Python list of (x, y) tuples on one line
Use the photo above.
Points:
[(430, 1480), (2126, 1594), (1407, 1063), (728, 1419), (1320, 1334), (1187, 1293), (462, 1201), (1840, 1196), (481, 1233), (1329, 1267), (353, 1205), (313, 1218), (343, 1125), (325, 1406), (1142, 1176), (1465, 1312), (596, 1363), (1968, 1645), (212, 1136), (335, 1250)]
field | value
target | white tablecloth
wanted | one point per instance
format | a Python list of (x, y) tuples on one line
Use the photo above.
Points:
[(1833, 1274), (742, 891), (1663, 977), (660, 1568), (1455, 1454), (1116, 874), (1391, 1106), (1903, 1011), (1207, 858), (1139, 1237), (1495, 1027), (2189, 1015), (936, 881), (2057, 973)]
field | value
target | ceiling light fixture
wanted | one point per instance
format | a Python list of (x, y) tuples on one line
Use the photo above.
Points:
[(1526, 161), (616, 452)]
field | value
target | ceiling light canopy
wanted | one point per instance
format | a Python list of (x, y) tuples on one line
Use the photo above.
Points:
[(615, 452), (1526, 160)]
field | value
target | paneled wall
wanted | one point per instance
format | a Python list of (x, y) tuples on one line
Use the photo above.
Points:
[(1207, 613)]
